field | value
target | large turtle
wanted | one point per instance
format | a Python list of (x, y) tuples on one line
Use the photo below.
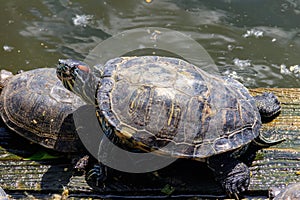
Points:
[(153, 101), (37, 106)]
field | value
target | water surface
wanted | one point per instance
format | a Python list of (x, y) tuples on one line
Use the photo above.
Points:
[(256, 42)]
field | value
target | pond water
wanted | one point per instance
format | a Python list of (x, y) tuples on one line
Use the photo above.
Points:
[(255, 41)]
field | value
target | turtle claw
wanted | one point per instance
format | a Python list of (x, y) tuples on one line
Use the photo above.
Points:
[(232, 191), (236, 196), (232, 174), (98, 174), (236, 181)]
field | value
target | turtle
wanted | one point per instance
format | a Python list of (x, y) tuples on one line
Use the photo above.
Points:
[(3, 195), (36, 105), (292, 192), (149, 102)]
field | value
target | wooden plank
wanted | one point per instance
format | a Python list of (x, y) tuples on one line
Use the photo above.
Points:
[(280, 165), (274, 166)]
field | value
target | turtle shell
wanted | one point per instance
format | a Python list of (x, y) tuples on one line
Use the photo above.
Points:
[(36, 105), (167, 104)]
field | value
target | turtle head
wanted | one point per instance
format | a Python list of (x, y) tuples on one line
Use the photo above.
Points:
[(71, 72), (77, 77)]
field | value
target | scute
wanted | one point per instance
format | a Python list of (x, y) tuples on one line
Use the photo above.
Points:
[(167, 101), (36, 105)]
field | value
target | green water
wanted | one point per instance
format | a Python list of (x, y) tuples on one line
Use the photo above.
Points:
[(250, 40)]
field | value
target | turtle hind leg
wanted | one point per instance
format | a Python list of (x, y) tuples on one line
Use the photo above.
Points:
[(264, 139), (232, 174), (268, 138), (268, 105)]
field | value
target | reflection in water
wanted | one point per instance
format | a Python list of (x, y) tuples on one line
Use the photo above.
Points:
[(264, 33)]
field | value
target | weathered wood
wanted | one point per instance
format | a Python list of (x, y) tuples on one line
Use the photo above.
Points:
[(279, 165), (275, 166)]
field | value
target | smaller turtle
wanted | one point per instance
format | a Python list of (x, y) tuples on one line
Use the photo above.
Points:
[(36, 105), (291, 192), (3, 195)]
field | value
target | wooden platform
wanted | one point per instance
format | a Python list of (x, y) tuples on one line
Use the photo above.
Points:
[(24, 174)]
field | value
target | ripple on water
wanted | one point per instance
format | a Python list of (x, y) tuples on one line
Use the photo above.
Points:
[(233, 32)]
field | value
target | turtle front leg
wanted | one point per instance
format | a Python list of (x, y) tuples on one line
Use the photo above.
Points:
[(233, 175), (94, 171), (98, 174)]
